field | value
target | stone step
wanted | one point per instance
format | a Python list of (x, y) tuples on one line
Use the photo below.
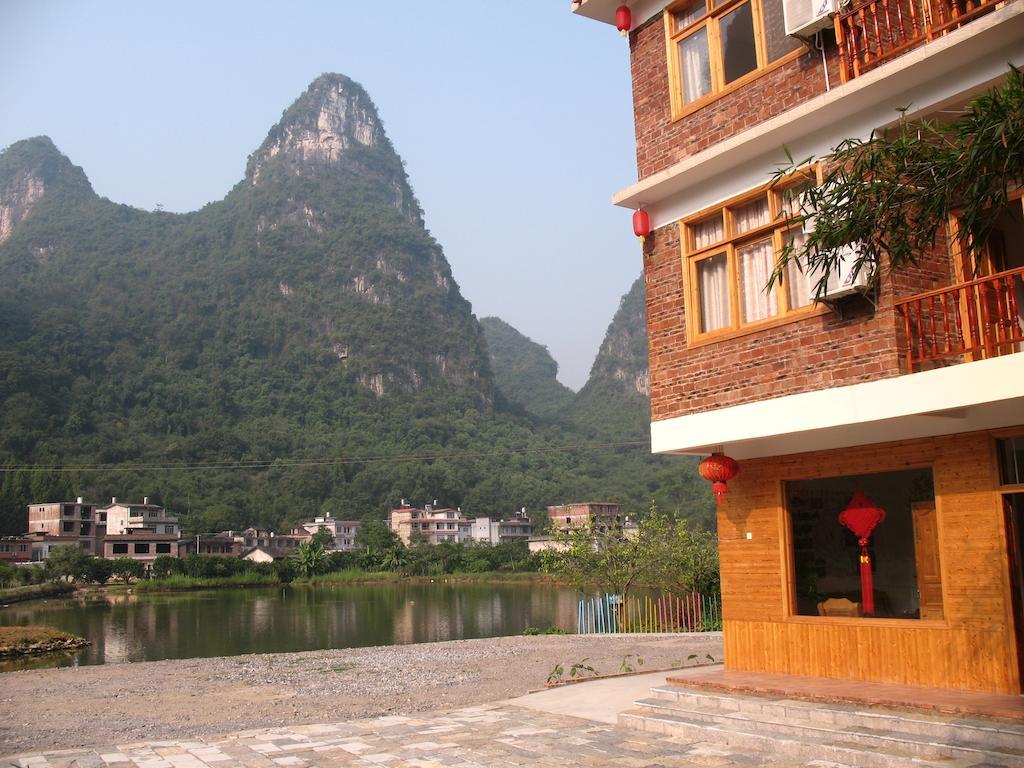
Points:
[(936, 727), (822, 747), (892, 738)]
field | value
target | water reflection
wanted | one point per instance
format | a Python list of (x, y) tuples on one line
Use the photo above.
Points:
[(128, 627)]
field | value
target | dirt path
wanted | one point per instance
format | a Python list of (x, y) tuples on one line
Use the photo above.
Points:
[(118, 703)]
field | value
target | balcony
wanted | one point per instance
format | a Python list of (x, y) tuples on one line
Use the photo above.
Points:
[(873, 32), (976, 320)]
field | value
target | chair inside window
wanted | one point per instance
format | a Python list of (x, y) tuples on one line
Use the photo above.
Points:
[(838, 606)]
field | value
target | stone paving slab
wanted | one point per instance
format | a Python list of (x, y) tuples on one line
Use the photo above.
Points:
[(491, 736)]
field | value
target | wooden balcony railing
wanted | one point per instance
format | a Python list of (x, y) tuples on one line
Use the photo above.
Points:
[(970, 321), (874, 31)]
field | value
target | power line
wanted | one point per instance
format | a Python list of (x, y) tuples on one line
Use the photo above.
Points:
[(294, 463)]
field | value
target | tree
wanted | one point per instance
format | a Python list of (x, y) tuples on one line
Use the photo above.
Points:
[(99, 570), (324, 537), (665, 553), (67, 562), (376, 543), (892, 193), (309, 559), (127, 568), (167, 565)]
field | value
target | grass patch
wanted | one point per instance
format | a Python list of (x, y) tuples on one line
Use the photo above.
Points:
[(354, 576), (343, 667), (185, 583), (35, 591)]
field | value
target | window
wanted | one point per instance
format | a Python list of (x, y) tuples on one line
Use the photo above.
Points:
[(714, 46), (141, 548), (1011, 461), (163, 549), (904, 547), (119, 548), (68, 527), (731, 253)]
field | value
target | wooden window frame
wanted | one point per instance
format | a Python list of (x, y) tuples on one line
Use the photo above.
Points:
[(710, 21), (777, 227), (788, 558)]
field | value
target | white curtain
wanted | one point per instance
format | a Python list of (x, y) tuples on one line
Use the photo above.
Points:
[(751, 216), (695, 61), (756, 261), (713, 277), (800, 283), (708, 232)]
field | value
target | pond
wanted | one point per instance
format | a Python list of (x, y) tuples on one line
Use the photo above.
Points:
[(178, 625)]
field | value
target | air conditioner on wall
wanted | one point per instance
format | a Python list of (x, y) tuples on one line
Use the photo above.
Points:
[(842, 281), (805, 17)]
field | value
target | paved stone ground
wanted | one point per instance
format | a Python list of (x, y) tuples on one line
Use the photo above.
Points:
[(490, 736)]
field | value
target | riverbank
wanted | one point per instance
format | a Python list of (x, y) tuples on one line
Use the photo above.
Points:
[(116, 703), (35, 592)]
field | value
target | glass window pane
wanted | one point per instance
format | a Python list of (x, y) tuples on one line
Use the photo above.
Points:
[(695, 65), (713, 283), (756, 261), (903, 547), (688, 16), (751, 216), (708, 232), (777, 43), (739, 54), (800, 283)]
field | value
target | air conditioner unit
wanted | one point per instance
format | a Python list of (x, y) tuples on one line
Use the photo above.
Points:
[(842, 281), (805, 17)]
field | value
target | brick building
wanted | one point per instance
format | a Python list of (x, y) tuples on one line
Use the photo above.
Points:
[(602, 516), (430, 524), (865, 392)]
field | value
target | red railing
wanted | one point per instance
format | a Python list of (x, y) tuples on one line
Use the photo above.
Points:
[(974, 320), (872, 32)]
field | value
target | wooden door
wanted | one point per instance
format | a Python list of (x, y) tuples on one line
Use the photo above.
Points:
[(926, 553), (1013, 504)]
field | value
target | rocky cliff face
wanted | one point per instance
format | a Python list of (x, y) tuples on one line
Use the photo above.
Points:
[(325, 129), (621, 366), (27, 169)]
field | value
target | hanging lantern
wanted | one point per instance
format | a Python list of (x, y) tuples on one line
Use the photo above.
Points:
[(641, 224), (719, 470), (861, 516), (623, 19)]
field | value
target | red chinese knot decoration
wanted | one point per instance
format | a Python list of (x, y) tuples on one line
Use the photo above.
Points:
[(623, 19), (861, 516), (641, 224), (718, 469)]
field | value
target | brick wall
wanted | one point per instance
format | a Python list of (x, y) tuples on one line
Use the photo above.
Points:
[(661, 142), (861, 343)]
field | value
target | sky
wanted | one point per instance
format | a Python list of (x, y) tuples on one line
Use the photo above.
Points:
[(514, 121)]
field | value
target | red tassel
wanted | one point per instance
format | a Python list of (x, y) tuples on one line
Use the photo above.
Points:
[(867, 585)]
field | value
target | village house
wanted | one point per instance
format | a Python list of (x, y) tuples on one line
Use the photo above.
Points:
[(74, 522), (897, 401), (140, 544), (120, 517), (15, 549), (506, 530), (343, 531), (430, 524), (603, 517)]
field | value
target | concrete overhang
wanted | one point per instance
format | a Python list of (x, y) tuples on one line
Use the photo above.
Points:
[(966, 59), (604, 10), (988, 394)]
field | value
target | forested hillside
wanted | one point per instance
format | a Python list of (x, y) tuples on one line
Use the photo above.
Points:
[(300, 346)]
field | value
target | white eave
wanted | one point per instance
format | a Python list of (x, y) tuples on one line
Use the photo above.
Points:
[(988, 394), (977, 53), (604, 10)]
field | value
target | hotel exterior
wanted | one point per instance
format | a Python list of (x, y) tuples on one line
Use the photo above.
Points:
[(908, 388)]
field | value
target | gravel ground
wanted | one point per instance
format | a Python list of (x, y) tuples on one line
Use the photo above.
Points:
[(118, 703)]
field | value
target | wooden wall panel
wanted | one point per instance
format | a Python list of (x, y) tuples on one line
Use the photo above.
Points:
[(971, 648)]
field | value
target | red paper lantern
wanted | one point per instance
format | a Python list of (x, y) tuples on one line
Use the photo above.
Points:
[(623, 19), (641, 224), (719, 470), (861, 516)]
